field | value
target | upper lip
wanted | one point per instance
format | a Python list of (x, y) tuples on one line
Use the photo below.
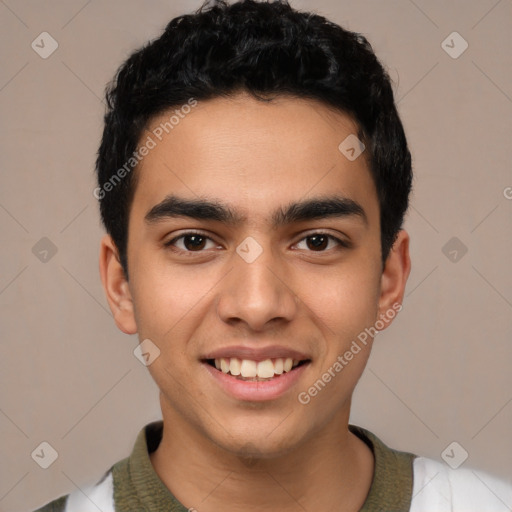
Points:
[(256, 354)]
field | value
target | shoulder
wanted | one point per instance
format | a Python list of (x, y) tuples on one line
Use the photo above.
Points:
[(438, 487), (91, 498)]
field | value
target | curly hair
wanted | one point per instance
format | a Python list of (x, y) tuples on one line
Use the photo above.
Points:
[(263, 48)]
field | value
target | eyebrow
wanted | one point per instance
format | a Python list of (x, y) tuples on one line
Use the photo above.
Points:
[(203, 209)]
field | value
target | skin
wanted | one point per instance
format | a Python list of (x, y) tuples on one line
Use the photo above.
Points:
[(217, 452)]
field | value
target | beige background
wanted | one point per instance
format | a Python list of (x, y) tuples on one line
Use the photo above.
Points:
[(441, 373)]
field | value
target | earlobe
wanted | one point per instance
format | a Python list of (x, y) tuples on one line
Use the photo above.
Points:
[(394, 276), (116, 286)]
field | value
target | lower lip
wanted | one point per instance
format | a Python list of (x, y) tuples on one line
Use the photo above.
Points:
[(256, 391)]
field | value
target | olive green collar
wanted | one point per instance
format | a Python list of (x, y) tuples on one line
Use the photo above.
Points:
[(138, 487)]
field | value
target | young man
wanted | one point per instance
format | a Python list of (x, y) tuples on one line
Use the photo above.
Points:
[(253, 179)]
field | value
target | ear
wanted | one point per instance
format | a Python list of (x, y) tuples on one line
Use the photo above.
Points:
[(394, 276), (116, 286)]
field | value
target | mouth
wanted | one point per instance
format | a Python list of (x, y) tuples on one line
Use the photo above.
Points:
[(256, 371), (256, 374)]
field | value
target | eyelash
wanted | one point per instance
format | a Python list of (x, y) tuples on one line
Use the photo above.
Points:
[(169, 244)]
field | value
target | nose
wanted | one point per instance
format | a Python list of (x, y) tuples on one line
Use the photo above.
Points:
[(257, 293)]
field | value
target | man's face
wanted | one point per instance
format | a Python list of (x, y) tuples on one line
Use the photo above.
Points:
[(264, 283)]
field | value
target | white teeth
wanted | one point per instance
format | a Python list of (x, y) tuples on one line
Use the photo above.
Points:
[(249, 369), (234, 366), (278, 366), (224, 365), (265, 369)]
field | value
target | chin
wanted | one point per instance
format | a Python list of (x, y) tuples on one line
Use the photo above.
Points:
[(265, 440)]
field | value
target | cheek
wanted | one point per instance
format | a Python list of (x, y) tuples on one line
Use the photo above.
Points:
[(344, 307), (344, 302), (167, 301)]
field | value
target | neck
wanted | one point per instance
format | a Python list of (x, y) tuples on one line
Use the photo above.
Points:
[(332, 470)]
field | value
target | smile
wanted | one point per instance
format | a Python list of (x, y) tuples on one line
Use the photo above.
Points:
[(265, 379), (250, 370)]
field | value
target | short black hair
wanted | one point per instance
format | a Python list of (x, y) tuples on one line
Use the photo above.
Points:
[(265, 49)]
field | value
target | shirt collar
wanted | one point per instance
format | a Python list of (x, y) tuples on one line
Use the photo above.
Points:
[(135, 479)]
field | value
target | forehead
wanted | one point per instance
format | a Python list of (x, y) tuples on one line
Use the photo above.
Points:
[(252, 155)]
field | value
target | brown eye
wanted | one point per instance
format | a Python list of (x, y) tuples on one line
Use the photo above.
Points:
[(190, 242), (321, 242), (317, 242), (194, 242)]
